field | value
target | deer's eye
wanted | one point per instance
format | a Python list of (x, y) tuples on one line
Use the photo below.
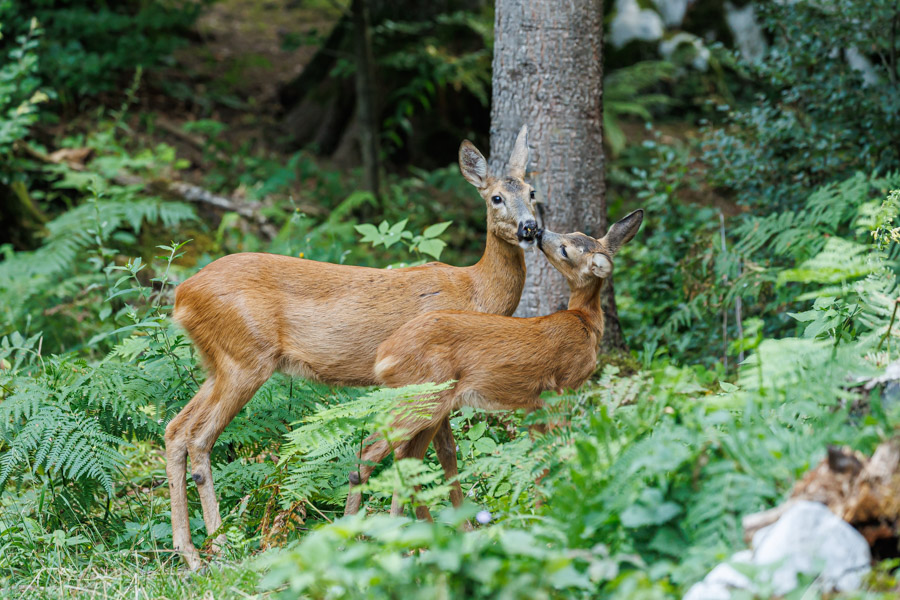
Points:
[(497, 200), (565, 254), (532, 194)]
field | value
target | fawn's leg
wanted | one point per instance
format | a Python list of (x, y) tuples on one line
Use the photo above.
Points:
[(176, 470), (536, 430), (374, 453), (445, 447), (414, 448), (233, 389)]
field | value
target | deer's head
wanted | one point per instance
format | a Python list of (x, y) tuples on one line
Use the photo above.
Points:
[(583, 260), (510, 200)]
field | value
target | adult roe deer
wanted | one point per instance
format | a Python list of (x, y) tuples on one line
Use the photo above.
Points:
[(251, 314), (498, 362)]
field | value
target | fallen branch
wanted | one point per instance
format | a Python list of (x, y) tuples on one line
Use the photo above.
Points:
[(177, 189), (863, 491)]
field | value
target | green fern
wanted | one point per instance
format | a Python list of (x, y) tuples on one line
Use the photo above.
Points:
[(318, 455), (70, 418), (64, 443), (624, 95)]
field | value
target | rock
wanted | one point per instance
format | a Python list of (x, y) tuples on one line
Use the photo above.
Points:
[(708, 591), (699, 52), (726, 575), (748, 35), (807, 538), (810, 539), (719, 583), (631, 22), (672, 11)]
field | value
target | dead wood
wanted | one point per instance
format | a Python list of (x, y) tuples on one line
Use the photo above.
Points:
[(75, 159), (863, 491)]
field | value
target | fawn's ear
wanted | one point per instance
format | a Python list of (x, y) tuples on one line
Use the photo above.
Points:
[(518, 160), (601, 266), (622, 231), (472, 164)]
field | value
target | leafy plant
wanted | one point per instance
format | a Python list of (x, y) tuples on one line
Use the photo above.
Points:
[(387, 235), (624, 94), (827, 104), (76, 61), (320, 454), (496, 562)]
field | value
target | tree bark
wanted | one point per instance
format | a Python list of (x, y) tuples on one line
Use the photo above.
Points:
[(548, 73), (366, 111)]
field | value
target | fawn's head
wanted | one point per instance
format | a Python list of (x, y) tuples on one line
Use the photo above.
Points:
[(510, 200), (583, 260)]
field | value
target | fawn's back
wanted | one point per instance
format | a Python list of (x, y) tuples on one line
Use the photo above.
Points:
[(495, 360)]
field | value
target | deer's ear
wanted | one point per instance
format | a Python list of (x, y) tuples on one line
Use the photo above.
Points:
[(518, 160), (472, 164), (601, 266), (623, 231)]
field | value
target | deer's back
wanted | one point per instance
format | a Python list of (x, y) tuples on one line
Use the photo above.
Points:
[(319, 320)]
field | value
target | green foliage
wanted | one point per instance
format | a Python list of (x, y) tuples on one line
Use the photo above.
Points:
[(20, 96), (426, 58), (695, 263), (818, 117), (421, 560), (624, 95), (387, 235), (671, 288), (75, 54), (67, 419), (320, 454)]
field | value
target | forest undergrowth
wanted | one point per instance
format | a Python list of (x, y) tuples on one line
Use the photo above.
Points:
[(754, 319)]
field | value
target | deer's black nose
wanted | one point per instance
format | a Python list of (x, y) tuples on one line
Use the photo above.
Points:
[(527, 230)]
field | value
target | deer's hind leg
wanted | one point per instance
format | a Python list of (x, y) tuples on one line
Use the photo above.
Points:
[(176, 471), (233, 388)]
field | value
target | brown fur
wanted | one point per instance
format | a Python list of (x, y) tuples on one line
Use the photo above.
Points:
[(251, 314), (500, 362)]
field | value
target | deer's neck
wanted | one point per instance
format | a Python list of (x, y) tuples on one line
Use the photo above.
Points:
[(498, 277), (586, 300)]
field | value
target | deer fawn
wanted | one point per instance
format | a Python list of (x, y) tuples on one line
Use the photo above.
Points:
[(251, 314), (498, 362)]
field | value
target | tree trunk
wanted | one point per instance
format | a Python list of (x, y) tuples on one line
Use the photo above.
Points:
[(366, 112), (548, 74)]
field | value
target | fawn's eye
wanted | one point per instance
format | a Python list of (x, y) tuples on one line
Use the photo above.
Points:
[(532, 194), (562, 249), (497, 200)]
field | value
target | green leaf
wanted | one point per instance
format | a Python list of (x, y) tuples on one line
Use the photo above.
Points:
[(432, 231), (476, 431), (368, 231), (398, 227), (432, 248), (650, 509), (485, 445)]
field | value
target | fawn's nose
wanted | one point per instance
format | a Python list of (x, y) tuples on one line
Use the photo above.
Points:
[(527, 230)]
